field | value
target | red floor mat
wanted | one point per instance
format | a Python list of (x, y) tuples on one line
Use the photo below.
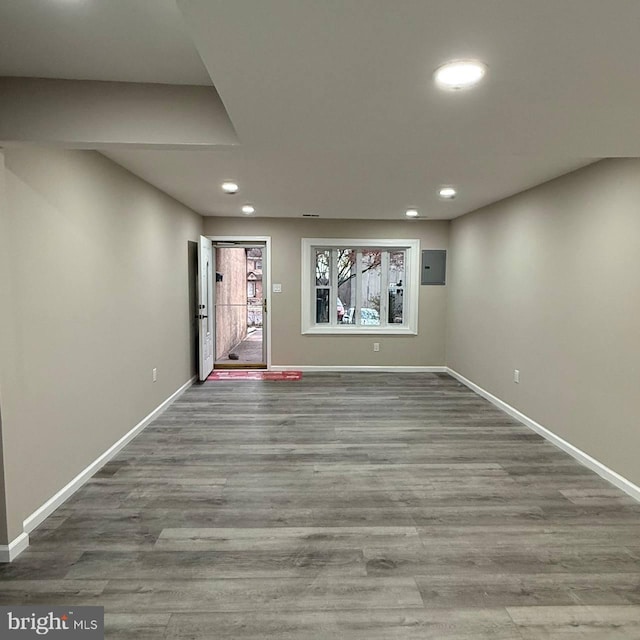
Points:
[(255, 375)]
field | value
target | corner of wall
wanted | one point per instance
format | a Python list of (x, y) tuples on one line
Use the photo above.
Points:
[(450, 289), (4, 284), (4, 529)]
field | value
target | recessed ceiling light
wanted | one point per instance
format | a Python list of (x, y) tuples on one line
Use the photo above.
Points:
[(460, 74), (248, 209), (230, 187), (448, 193), (411, 213)]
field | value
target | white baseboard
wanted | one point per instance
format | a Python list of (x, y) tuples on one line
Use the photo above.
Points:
[(602, 470), (357, 368), (12, 550)]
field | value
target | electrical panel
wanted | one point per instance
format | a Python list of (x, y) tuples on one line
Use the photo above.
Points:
[(433, 267)]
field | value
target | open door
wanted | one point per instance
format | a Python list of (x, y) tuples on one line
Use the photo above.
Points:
[(240, 305), (205, 308)]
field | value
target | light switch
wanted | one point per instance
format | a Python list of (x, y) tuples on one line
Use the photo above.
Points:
[(277, 288)]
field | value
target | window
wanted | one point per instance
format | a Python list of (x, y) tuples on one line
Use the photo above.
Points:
[(251, 289), (359, 286)]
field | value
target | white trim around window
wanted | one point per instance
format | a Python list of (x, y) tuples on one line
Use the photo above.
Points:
[(411, 285)]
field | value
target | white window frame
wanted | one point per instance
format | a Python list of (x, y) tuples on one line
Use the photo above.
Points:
[(411, 286)]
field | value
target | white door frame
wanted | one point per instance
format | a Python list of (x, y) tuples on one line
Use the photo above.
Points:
[(266, 279)]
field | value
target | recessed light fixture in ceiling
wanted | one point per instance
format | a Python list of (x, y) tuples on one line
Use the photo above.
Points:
[(248, 209), (460, 74), (411, 213), (448, 193), (230, 187)]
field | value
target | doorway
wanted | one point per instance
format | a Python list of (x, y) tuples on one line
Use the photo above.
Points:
[(240, 304)]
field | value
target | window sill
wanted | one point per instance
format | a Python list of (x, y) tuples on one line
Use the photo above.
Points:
[(359, 331)]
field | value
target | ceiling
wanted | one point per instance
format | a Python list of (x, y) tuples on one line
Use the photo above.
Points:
[(333, 102), (126, 40)]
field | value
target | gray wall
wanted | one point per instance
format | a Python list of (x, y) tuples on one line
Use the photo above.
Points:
[(289, 347), (5, 338), (548, 282), (4, 532), (98, 295)]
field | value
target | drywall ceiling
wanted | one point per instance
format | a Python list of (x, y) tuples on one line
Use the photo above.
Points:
[(335, 108), (121, 40), (373, 184)]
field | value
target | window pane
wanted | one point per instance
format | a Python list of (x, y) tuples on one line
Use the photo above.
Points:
[(346, 285), (323, 269), (356, 286), (396, 287), (371, 281), (322, 306)]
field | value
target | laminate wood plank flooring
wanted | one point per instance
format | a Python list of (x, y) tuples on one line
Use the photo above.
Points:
[(352, 506)]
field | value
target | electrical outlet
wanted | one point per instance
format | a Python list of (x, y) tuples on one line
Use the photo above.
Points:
[(154, 374), (516, 376), (376, 346)]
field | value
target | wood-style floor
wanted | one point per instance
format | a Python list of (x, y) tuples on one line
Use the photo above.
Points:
[(342, 507)]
